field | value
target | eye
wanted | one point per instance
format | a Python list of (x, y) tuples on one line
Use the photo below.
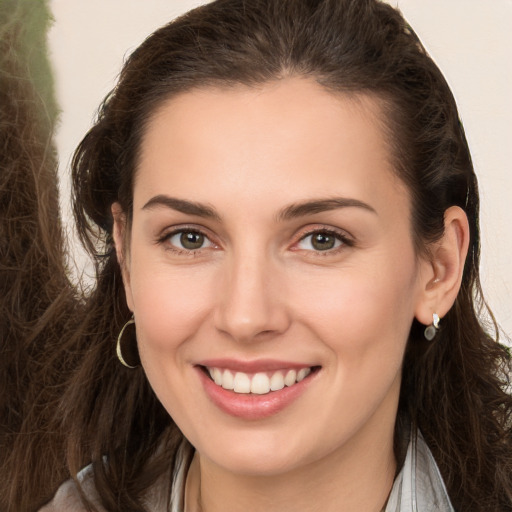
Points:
[(321, 241), (189, 240)]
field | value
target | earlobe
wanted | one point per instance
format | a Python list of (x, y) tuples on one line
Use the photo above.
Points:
[(447, 258), (119, 234)]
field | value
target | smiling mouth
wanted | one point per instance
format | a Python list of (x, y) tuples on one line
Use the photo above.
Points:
[(260, 383)]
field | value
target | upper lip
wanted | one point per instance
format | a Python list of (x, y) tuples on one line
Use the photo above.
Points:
[(255, 366)]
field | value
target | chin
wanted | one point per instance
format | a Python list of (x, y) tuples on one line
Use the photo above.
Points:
[(261, 453)]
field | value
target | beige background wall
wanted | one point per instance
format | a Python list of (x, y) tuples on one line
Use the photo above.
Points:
[(471, 41)]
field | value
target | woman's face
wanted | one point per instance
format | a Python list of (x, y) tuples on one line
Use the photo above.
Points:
[(271, 242)]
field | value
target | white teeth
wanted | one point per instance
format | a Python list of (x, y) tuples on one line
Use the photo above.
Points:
[(290, 378), (260, 383), (242, 383), (227, 380), (277, 381), (217, 376), (303, 373)]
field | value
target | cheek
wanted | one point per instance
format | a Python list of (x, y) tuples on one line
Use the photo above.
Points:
[(363, 307), (171, 306), (170, 303)]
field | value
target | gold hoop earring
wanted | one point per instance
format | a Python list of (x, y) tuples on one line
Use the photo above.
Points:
[(118, 344), (431, 331)]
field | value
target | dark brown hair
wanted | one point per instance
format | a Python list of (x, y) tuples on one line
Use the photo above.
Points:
[(453, 388), (37, 302)]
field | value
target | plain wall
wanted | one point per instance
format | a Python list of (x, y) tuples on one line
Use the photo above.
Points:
[(470, 40)]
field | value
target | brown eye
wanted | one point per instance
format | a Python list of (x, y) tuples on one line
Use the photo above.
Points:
[(189, 240), (321, 241)]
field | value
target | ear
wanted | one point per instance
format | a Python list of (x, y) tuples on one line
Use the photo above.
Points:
[(443, 269), (119, 233)]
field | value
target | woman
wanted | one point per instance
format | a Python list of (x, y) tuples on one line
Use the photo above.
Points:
[(284, 214)]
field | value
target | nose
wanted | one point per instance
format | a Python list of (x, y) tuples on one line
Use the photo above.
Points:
[(251, 300)]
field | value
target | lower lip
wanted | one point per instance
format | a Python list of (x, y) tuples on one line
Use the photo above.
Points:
[(252, 406)]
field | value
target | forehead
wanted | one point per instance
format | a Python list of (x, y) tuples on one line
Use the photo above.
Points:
[(282, 138)]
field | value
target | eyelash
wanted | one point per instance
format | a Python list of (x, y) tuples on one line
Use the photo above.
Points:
[(164, 240), (342, 237)]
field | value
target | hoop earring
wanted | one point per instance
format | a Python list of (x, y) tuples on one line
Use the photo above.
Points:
[(431, 330), (118, 344)]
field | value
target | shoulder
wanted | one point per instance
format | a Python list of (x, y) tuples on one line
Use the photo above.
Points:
[(67, 498)]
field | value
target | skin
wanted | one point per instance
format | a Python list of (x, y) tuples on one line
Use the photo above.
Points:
[(258, 288)]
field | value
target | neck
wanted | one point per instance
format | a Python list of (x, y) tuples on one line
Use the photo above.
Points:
[(354, 478)]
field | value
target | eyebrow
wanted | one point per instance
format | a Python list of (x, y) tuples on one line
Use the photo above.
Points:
[(322, 205), (183, 206), (290, 212)]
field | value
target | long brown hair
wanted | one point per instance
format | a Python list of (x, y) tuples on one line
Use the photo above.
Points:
[(453, 388), (37, 302)]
